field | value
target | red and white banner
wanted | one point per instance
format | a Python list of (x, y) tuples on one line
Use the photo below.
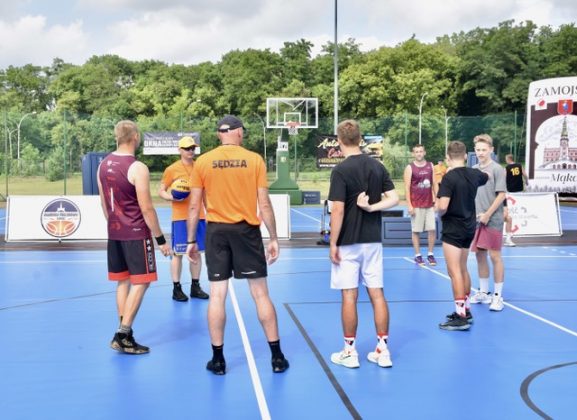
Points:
[(535, 214), (551, 152)]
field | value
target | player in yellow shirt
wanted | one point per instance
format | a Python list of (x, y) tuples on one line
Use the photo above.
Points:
[(182, 169)]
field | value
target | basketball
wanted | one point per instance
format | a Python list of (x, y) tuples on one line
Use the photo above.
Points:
[(180, 189)]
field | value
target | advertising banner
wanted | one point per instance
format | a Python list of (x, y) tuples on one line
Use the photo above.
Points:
[(166, 142), (329, 152), (551, 152), (50, 218), (534, 214)]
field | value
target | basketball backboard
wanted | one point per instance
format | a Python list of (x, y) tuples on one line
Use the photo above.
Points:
[(280, 111)]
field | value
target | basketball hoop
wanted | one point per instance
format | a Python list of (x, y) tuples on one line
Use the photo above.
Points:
[(293, 127)]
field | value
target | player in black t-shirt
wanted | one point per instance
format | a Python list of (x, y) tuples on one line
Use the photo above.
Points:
[(360, 188), (456, 206), (516, 180)]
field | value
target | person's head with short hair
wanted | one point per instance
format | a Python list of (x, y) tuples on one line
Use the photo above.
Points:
[(126, 131), (419, 152), (230, 130), (483, 148), (349, 133), (456, 152), (483, 138), (509, 159)]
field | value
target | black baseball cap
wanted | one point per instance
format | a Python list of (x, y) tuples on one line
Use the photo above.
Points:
[(231, 121)]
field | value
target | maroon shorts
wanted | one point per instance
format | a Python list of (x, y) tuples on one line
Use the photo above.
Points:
[(487, 238), (132, 260)]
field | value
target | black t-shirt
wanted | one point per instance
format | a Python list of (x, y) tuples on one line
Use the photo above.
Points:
[(514, 177), (354, 175), (460, 185)]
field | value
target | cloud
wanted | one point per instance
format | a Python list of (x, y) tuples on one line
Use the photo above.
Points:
[(181, 31), (29, 40), (185, 36)]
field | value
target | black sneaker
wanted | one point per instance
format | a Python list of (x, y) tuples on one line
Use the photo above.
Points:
[(279, 364), (455, 323), (196, 291), (124, 343), (178, 294), (218, 367), (469, 316)]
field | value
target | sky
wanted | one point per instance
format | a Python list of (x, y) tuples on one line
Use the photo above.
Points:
[(193, 31)]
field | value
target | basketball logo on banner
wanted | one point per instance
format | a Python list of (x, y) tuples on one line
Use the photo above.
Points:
[(60, 218)]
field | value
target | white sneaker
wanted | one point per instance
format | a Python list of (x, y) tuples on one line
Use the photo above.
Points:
[(496, 304), (509, 242), (346, 358), (481, 297), (381, 357)]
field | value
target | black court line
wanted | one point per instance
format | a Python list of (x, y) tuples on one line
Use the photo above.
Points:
[(525, 388), (340, 391)]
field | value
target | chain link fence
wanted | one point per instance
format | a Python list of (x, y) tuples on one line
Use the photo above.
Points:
[(52, 144)]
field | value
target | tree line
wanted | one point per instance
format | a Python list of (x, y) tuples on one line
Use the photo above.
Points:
[(477, 80)]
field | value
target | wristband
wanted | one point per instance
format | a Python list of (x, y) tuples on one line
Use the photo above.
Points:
[(191, 242), (160, 240)]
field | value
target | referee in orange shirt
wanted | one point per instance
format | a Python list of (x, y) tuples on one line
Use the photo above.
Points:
[(233, 181)]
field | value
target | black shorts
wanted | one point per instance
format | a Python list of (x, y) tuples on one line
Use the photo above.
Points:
[(234, 249), (132, 260), (460, 241)]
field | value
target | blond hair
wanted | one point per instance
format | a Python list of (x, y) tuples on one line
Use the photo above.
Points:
[(349, 133), (483, 138), (124, 130)]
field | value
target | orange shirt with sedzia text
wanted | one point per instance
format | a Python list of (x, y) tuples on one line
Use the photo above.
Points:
[(230, 176)]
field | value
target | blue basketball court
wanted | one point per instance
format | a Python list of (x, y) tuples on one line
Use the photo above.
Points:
[(58, 315)]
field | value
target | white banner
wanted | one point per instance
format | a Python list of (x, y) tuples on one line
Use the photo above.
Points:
[(54, 218), (535, 214), (551, 152), (282, 213), (166, 142)]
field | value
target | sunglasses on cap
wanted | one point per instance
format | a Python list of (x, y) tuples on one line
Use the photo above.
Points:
[(189, 148), (226, 130)]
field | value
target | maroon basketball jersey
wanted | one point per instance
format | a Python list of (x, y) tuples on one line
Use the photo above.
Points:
[(125, 219), (421, 184)]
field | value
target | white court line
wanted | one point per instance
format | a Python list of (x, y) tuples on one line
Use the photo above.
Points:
[(264, 412), (523, 311), (305, 215)]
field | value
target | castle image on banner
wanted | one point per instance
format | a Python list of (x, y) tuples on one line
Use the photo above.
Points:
[(562, 157)]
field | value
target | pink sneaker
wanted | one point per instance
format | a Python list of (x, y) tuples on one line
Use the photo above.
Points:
[(419, 260)]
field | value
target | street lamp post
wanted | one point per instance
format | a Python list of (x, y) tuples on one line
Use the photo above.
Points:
[(18, 132), (263, 137), (336, 74), (10, 132), (446, 130), (420, 115)]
